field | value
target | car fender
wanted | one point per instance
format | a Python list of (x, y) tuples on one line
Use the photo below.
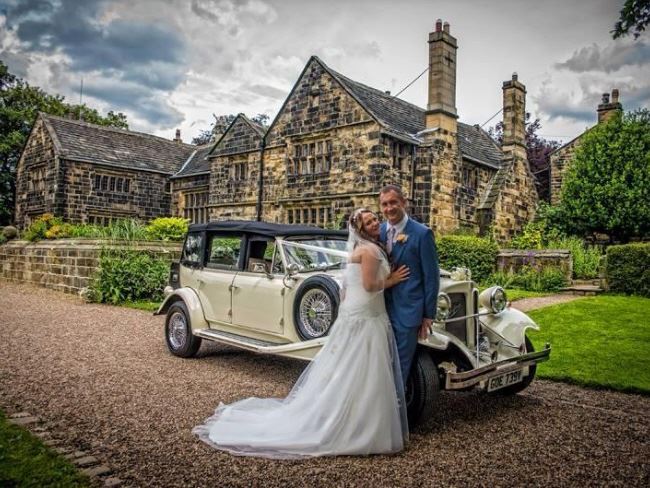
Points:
[(441, 340), (192, 302), (511, 324)]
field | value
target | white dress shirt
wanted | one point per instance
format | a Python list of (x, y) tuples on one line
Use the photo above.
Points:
[(399, 228)]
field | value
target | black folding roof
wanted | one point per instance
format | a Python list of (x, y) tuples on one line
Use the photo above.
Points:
[(266, 229)]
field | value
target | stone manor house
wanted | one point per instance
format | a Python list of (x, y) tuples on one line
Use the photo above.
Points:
[(332, 146)]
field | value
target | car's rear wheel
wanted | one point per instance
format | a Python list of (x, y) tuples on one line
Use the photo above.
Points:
[(517, 387), (315, 307), (422, 389), (178, 332)]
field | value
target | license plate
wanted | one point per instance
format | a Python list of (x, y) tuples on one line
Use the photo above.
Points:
[(505, 379)]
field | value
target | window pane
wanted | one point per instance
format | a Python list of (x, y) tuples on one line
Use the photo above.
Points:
[(224, 252), (192, 249)]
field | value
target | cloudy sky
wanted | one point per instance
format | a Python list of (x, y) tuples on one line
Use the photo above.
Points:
[(172, 64)]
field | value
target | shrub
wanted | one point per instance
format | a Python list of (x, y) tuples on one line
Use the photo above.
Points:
[(3, 239), (9, 232), (39, 227), (123, 229), (586, 259), (479, 254), (628, 269), (128, 275), (167, 229), (530, 278)]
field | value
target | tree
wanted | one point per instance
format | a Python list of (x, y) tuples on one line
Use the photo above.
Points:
[(538, 151), (219, 126), (635, 16), (607, 185), (19, 106)]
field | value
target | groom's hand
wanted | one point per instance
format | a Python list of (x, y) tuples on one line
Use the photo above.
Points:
[(425, 329)]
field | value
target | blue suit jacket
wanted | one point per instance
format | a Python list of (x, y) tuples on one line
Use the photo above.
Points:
[(414, 299)]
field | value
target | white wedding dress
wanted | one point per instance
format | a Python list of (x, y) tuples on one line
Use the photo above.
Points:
[(349, 400)]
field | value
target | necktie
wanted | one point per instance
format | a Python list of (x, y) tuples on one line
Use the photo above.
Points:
[(391, 239)]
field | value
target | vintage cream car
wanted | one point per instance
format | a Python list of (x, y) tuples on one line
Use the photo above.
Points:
[(274, 289)]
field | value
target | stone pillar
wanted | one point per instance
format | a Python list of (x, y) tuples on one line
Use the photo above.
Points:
[(441, 107), (607, 109)]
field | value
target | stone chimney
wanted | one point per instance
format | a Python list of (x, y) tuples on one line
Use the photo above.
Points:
[(178, 139), (441, 106), (608, 108), (514, 115)]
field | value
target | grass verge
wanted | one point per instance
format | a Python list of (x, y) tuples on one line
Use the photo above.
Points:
[(142, 305), (601, 341), (517, 294), (25, 461)]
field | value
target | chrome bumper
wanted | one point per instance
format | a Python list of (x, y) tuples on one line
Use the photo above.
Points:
[(465, 379)]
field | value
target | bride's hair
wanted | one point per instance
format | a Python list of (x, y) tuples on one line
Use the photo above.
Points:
[(356, 223)]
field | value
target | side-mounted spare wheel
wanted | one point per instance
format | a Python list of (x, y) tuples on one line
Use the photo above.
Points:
[(315, 306), (422, 388), (178, 331)]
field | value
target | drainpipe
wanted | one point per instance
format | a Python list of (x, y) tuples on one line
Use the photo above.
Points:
[(412, 172), (260, 185)]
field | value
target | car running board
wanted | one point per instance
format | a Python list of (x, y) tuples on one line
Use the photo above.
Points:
[(300, 350)]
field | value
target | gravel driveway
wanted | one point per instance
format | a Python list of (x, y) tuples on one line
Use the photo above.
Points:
[(102, 379)]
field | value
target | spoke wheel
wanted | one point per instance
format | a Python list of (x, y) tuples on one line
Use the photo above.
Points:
[(316, 312), (315, 307), (178, 332)]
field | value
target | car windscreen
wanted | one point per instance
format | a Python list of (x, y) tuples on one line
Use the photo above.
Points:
[(315, 254)]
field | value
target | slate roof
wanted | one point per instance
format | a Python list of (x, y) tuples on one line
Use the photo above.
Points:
[(495, 185), (404, 119), (197, 163), (476, 145), (81, 141)]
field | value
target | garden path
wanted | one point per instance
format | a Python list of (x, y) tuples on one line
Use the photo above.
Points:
[(527, 304)]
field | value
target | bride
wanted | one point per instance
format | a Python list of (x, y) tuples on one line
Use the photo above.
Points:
[(350, 399)]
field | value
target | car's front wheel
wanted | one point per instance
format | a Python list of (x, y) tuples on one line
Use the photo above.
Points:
[(522, 385), (422, 389), (178, 332)]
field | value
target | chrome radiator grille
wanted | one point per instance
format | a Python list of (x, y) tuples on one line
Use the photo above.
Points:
[(458, 309)]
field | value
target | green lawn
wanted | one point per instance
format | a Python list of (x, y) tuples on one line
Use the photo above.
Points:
[(601, 341), (25, 461)]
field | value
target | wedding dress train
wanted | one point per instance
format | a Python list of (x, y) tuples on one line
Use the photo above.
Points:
[(349, 399)]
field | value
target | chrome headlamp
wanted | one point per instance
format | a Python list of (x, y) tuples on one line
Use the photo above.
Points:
[(494, 299), (443, 307)]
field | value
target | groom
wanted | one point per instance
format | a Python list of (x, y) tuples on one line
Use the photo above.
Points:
[(411, 304)]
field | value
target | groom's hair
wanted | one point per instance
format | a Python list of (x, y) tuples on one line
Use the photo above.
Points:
[(395, 188)]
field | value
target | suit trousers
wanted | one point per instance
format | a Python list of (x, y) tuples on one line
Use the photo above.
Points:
[(407, 341)]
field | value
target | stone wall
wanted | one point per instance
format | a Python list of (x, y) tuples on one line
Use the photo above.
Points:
[(560, 160), (65, 264), (37, 175), (147, 197), (512, 260)]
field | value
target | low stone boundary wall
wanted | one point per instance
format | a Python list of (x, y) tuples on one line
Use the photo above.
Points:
[(66, 264), (512, 260)]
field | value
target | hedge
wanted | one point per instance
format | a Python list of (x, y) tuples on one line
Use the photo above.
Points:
[(479, 254), (628, 269)]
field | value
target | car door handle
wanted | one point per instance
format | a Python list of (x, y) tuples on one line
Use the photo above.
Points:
[(233, 287)]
